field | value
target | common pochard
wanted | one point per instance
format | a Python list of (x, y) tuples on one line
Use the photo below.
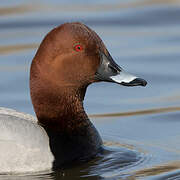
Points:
[(71, 57)]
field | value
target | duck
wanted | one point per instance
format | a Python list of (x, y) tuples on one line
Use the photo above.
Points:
[(70, 58)]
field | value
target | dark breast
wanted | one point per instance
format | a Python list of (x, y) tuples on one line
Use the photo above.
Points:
[(74, 147)]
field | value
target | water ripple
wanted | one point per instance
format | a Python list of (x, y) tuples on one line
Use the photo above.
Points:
[(16, 48), (21, 9), (156, 170), (135, 113)]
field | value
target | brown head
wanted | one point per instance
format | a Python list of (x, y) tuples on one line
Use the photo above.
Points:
[(71, 57)]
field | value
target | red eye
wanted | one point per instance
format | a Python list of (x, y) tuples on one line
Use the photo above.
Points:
[(78, 48)]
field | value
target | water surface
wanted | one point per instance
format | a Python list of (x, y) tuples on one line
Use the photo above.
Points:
[(140, 126)]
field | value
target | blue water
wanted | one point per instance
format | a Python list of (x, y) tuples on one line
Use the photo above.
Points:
[(144, 38)]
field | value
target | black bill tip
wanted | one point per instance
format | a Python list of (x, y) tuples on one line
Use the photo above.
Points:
[(135, 82), (140, 81)]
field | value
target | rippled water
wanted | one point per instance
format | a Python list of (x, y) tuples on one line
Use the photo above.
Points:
[(140, 126)]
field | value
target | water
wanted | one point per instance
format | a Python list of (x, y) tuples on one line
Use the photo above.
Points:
[(139, 126)]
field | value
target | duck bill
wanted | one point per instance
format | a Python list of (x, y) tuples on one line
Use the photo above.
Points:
[(109, 71)]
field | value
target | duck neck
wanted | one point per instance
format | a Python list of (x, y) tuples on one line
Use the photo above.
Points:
[(62, 111)]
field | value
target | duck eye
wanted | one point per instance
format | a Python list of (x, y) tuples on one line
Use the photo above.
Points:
[(78, 48)]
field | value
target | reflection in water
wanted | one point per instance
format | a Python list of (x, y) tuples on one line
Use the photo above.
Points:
[(160, 172), (82, 7), (16, 10), (102, 7), (134, 113), (107, 165), (16, 48), (156, 170)]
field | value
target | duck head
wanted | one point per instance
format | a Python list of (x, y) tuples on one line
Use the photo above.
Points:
[(71, 57), (74, 55)]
